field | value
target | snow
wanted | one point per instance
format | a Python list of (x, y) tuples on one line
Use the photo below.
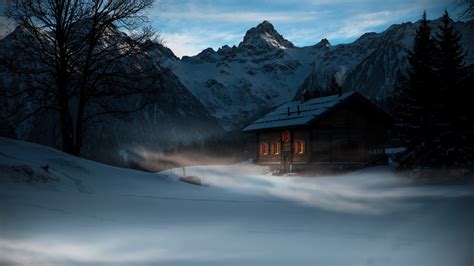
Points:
[(93, 214), (275, 69), (308, 111)]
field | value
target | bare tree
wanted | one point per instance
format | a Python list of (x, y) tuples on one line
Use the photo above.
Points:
[(83, 64)]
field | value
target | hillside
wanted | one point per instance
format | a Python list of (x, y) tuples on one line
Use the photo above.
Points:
[(174, 116), (80, 212)]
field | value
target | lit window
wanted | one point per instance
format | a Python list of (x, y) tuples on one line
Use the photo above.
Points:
[(276, 148), (299, 147), (286, 136), (264, 148)]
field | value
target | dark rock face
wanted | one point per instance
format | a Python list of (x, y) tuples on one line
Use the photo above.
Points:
[(264, 38)]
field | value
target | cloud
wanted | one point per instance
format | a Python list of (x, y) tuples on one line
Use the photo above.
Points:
[(349, 28), (237, 17), (363, 23), (230, 12), (192, 42), (191, 26)]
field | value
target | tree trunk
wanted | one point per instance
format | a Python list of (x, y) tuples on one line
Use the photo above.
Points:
[(62, 86), (67, 133), (79, 136)]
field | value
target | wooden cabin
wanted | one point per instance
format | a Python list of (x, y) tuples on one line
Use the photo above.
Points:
[(344, 129)]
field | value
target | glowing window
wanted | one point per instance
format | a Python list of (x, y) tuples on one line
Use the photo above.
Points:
[(299, 147), (286, 136), (276, 148), (264, 148)]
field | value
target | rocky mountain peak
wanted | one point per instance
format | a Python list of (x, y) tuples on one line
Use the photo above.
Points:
[(158, 50), (264, 34), (265, 26), (323, 43)]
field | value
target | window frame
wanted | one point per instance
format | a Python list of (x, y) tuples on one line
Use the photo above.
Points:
[(303, 148), (264, 148), (286, 136), (278, 148)]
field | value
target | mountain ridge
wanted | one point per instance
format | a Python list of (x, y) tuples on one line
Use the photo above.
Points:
[(239, 83)]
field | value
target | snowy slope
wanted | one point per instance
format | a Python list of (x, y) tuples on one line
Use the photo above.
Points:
[(85, 213), (240, 83)]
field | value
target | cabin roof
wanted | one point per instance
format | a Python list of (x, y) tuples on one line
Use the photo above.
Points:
[(310, 110)]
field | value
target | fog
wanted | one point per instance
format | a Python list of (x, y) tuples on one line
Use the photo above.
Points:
[(92, 214), (153, 161), (372, 192)]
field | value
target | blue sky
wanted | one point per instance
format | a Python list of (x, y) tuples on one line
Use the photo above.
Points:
[(189, 26)]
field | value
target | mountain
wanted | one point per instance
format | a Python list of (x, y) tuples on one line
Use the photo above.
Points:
[(174, 117), (236, 83), (239, 83), (263, 38)]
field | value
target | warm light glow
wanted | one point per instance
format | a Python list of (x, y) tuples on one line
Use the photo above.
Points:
[(276, 148), (299, 147), (264, 148), (286, 136)]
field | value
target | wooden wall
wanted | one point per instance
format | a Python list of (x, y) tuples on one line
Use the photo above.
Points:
[(353, 133), (268, 137), (286, 148), (302, 134)]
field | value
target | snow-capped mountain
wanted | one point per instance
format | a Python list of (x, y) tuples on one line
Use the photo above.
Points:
[(263, 38), (237, 84), (173, 118)]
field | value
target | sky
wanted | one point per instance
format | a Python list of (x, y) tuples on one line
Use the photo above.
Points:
[(190, 26)]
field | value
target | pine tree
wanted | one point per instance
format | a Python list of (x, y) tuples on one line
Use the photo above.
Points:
[(454, 103), (422, 77), (417, 97)]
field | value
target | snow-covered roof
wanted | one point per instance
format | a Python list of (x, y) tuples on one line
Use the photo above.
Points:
[(308, 112)]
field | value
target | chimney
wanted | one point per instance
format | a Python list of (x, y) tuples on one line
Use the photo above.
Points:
[(298, 108), (305, 96), (288, 111)]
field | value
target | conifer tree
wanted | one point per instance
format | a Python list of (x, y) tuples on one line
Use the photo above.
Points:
[(454, 103), (422, 77), (417, 97), (436, 99)]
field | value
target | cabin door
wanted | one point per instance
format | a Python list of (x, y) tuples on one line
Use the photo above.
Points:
[(285, 162)]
